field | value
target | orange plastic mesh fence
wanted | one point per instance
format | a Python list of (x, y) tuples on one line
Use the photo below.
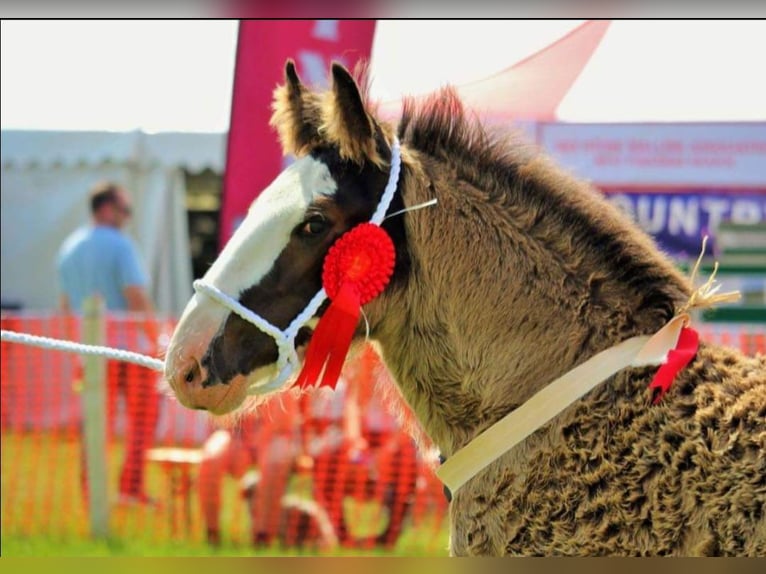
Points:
[(749, 338), (321, 473)]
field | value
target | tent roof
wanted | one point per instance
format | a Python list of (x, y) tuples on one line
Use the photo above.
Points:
[(631, 71), (534, 87), (193, 151)]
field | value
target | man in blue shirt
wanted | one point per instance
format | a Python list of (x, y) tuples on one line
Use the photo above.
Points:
[(100, 259)]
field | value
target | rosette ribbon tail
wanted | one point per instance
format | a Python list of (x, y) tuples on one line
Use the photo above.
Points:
[(331, 339)]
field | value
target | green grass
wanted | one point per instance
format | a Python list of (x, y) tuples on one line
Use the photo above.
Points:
[(43, 513), (40, 546)]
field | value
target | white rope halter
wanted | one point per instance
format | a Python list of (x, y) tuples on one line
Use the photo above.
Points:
[(287, 362)]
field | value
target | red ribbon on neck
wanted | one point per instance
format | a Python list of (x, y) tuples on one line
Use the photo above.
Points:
[(356, 270), (678, 358)]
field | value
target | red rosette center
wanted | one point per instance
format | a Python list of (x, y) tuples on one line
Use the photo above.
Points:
[(364, 257)]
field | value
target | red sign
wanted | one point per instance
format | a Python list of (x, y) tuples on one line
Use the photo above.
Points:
[(254, 156)]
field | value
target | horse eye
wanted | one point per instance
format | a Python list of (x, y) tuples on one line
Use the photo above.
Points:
[(313, 226)]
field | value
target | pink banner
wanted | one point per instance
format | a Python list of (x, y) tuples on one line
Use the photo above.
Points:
[(254, 156)]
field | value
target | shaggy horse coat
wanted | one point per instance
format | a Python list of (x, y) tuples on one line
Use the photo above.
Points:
[(519, 275), (516, 276)]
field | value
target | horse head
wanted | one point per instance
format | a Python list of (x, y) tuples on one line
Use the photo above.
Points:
[(272, 265)]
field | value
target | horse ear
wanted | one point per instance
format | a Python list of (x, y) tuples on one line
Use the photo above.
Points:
[(291, 76), (346, 121), (350, 105), (296, 114)]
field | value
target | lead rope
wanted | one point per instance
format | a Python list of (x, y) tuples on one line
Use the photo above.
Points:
[(83, 349)]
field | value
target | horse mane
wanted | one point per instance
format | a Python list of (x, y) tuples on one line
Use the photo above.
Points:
[(514, 173), (439, 125)]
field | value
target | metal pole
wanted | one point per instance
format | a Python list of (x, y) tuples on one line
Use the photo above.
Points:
[(94, 418)]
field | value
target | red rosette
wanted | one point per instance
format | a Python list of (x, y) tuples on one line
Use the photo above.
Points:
[(364, 257), (356, 270)]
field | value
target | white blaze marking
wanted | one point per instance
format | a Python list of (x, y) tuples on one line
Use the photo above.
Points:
[(252, 250)]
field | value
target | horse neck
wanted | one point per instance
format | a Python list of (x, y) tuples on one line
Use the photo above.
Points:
[(503, 297)]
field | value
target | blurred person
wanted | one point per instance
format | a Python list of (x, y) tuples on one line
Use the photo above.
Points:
[(278, 448), (373, 459), (327, 433), (226, 452), (345, 439), (100, 259), (267, 441)]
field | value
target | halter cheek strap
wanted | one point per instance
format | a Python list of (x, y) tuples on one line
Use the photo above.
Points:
[(287, 361)]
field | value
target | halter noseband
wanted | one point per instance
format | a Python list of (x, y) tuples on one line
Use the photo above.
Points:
[(287, 362)]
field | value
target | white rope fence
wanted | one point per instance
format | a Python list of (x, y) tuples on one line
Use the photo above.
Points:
[(69, 346)]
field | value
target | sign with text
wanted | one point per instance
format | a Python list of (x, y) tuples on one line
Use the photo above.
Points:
[(679, 182), (254, 156), (686, 154), (678, 219)]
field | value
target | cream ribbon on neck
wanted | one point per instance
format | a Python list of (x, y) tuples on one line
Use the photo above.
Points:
[(641, 351)]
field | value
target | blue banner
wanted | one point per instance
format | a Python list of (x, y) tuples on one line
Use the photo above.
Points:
[(679, 219)]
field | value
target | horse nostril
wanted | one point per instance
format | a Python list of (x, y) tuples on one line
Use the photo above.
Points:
[(194, 373), (196, 386)]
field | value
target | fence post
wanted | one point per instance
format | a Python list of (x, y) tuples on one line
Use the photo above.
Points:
[(94, 418)]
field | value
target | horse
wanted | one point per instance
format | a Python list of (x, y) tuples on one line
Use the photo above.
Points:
[(517, 275)]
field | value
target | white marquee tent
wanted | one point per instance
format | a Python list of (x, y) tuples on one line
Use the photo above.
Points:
[(46, 177)]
